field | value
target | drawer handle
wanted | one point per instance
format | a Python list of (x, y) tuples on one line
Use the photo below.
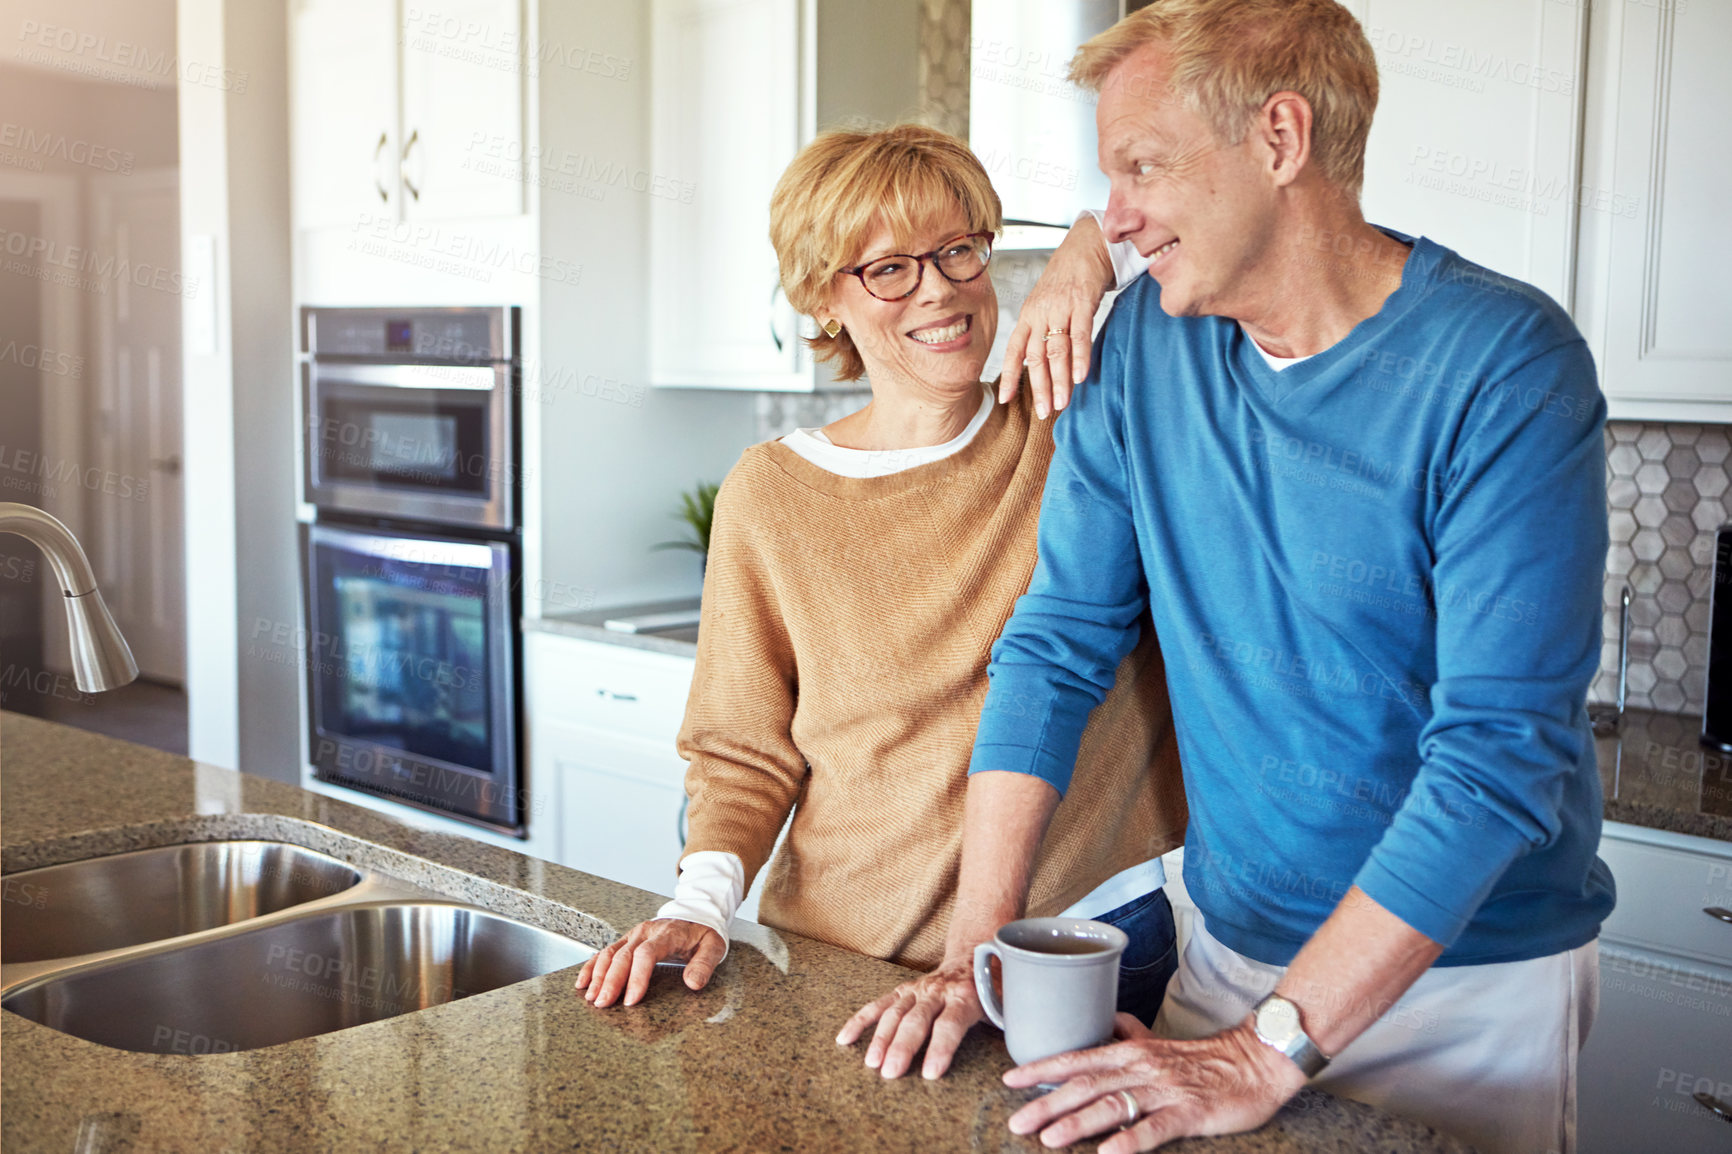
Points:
[(1714, 1104), (1719, 914), (612, 696)]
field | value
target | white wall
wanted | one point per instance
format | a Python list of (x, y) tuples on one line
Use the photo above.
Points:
[(212, 665), (614, 454), (242, 559), (124, 41)]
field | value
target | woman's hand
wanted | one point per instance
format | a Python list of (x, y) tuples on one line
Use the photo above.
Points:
[(943, 1004), (630, 962), (1064, 301)]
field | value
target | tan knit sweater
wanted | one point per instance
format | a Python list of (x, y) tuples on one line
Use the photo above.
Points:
[(847, 626)]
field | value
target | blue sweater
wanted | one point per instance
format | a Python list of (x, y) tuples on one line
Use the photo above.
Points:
[(1376, 577)]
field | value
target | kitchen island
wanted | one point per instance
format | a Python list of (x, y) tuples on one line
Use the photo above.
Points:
[(749, 1064)]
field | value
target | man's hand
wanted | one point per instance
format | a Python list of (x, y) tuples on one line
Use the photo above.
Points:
[(630, 962), (1064, 300), (1225, 1084), (942, 1004)]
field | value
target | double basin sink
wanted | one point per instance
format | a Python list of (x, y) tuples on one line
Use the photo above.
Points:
[(217, 947)]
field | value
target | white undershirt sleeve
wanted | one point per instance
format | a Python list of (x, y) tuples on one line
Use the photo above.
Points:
[(1128, 263), (711, 885)]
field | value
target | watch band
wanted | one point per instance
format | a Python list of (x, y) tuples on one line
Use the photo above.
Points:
[(1275, 1020)]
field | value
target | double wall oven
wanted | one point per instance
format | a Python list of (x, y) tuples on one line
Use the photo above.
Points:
[(412, 558)]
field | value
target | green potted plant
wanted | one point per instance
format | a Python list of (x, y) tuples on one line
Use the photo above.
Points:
[(697, 510)]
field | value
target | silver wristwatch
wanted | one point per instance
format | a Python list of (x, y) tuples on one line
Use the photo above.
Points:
[(1276, 1021)]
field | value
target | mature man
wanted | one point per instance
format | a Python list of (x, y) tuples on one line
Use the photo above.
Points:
[(1359, 483)]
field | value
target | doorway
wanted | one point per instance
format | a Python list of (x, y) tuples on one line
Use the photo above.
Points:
[(139, 548), (90, 383)]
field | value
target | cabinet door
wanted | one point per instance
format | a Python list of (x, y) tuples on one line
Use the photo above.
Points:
[(1474, 140), (1659, 1039), (725, 122), (620, 805), (462, 151), (1657, 255), (1664, 895), (343, 110)]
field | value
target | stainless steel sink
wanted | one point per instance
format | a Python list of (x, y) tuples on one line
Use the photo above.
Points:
[(298, 977), (109, 903)]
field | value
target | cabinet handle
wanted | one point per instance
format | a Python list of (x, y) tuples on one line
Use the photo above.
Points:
[(403, 165), (612, 696), (378, 151), (1708, 1101), (775, 334), (1719, 914)]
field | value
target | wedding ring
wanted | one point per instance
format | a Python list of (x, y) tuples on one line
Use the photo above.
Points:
[(1132, 1110), (1051, 333)]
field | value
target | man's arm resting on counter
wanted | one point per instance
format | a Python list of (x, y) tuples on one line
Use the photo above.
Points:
[(1360, 960), (1004, 819)]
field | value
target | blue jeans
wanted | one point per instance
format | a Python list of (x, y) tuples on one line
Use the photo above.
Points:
[(1151, 958)]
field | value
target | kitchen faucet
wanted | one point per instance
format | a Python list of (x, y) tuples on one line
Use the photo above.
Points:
[(100, 656)]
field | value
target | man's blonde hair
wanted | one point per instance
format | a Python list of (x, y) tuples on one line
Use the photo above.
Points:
[(843, 186), (1229, 56)]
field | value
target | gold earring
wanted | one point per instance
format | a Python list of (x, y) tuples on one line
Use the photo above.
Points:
[(832, 328)]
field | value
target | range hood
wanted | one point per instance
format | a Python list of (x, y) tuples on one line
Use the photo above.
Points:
[(1033, 129)]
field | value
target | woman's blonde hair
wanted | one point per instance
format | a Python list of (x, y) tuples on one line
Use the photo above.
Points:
[(1229, 56), (843, 186)]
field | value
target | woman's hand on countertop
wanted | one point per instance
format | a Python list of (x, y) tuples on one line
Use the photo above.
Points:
[(935, 1009), (630, 962), (1224, 1084)]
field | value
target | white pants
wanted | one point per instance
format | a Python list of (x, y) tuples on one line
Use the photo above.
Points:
[(1484, 1053)]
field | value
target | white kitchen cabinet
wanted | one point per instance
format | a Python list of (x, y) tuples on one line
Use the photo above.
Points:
[(1475, 139), (1665, 1016), (1666, 885), (602, 722), (1572, 146), (403, 112), (722, 133), (462, 153), (1661, 1035), (619, 803), (737, 87), (343, 81), (1658, 308)]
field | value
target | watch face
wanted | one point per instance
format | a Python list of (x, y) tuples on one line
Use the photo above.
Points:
[(1278, 1020)]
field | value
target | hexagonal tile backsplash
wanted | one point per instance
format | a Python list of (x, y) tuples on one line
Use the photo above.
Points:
[(1668, 487)]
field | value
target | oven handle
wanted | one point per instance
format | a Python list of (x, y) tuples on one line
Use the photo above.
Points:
[(490, 556), (477, 378)]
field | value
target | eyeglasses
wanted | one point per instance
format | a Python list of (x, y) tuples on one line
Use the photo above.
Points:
[(897, 276)]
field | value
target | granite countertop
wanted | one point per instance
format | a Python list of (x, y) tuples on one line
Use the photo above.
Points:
[(748, 1064), (587, 626), (1656, 773)]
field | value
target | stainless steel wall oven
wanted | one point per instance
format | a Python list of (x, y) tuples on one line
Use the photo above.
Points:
[(412, 413), (412, 662), (412, 559)]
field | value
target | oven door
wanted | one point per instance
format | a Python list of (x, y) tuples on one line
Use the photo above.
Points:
[(412, 670), (424, 442)]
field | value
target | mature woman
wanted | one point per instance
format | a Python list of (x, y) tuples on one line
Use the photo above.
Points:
[(858, 576)]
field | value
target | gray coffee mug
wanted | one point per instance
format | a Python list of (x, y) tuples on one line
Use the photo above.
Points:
[(1061, 984)]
